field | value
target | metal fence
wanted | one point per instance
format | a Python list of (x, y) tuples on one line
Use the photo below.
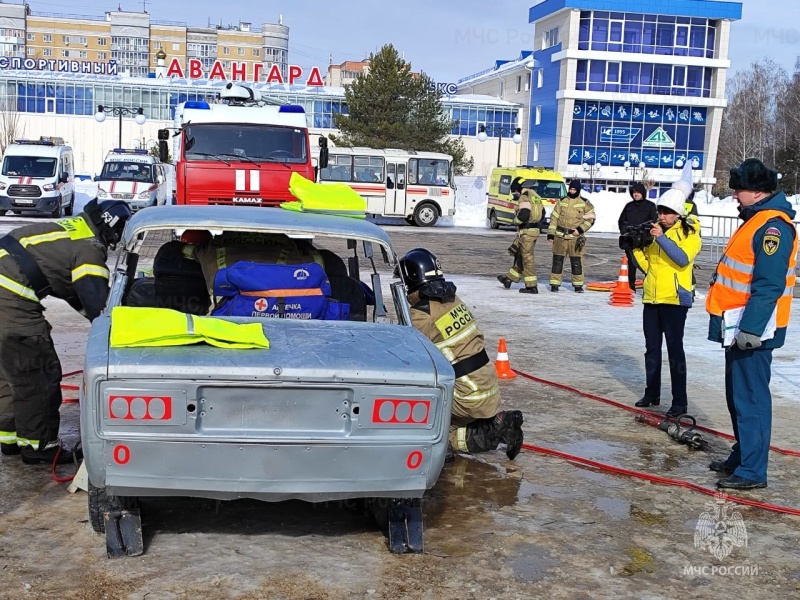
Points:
[(716, 231)]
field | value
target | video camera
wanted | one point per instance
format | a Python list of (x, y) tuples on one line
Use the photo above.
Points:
[(636, 236)]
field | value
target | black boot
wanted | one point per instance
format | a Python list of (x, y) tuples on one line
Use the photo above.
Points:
[(482, 436), (529, 290), (722, 466), (449, 456), (505, 281), (46, 457), (9, 449), (645, 402), (676, 411), (509, 426), (553, 288), (579, 289)]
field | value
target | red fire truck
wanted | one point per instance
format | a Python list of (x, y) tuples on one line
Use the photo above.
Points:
[(240, 150)]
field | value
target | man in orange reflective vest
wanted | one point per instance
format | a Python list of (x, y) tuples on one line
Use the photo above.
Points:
[(753, 284)]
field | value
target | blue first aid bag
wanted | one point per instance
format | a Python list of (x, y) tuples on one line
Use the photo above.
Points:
[(251, 289)]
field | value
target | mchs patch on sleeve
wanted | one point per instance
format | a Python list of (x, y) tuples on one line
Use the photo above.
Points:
[(772, 240)]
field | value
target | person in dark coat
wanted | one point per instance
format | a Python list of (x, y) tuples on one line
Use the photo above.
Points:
[(637, 211)]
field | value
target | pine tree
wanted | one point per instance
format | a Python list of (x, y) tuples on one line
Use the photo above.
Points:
[(390, 107)]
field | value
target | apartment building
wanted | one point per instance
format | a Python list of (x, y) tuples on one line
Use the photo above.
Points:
[(133, 39)]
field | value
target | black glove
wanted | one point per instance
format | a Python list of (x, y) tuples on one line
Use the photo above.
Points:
[(550, 237)]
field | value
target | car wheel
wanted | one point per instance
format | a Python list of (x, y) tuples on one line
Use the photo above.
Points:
[(426, 215), (3, 213), (100, 503), (58, 211), (379, 510), (493, 224), (70, 207)]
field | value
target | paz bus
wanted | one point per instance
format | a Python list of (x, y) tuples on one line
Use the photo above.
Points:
[(239, 151), (417, 186)]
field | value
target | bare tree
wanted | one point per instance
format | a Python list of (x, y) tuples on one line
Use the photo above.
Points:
[(11, 126)]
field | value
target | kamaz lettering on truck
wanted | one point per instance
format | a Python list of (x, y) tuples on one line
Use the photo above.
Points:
[(239, 151)]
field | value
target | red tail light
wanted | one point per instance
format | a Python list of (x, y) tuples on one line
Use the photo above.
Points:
[(395, 411), (140, 408)]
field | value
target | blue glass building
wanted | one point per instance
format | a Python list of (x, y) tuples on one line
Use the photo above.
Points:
[(629, 87)]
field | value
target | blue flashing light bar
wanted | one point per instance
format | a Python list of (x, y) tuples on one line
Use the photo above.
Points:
[(291, 108), (130, 151), (198, 104)]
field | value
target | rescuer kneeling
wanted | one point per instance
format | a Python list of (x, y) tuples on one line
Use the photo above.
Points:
[(476, 425), (65, 259)]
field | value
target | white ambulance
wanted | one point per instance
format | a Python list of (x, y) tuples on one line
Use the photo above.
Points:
[(37, 176), (135, 176)]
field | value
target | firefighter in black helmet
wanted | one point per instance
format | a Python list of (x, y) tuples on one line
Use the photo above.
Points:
[(65, 259), (476, 425)]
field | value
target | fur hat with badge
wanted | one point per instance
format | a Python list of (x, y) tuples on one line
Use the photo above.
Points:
[(675, 198), (753, 175)]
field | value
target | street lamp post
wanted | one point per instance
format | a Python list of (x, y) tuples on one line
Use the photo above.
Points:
[(102, 111), (592, 169), (637, 166), (500, 131)]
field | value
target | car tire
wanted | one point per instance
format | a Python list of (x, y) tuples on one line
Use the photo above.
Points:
[(379, 511), (426, 214), (58, 211), (100, 503), (3, 213), (493, 223), (70, 207)]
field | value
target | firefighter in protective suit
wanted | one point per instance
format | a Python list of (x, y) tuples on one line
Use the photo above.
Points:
[(476, 425), (528, 214), (572, 217), (65, 259)]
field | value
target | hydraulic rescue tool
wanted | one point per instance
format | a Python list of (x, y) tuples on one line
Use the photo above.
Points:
[(677, 429)]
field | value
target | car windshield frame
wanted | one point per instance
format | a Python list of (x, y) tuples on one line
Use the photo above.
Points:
[(120, 174), (20, 170)]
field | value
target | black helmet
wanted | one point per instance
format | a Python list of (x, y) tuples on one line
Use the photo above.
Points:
[(419, 266), (109, 217)]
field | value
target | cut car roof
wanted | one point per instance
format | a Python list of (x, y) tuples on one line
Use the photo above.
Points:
[(252, 218)]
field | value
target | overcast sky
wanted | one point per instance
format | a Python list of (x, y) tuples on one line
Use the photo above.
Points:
[(448, 40)]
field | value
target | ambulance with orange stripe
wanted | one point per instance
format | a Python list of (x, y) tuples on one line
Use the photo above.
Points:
[(135, 176), (417, 186), (502, 206)]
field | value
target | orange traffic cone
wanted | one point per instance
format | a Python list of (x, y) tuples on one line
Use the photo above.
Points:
[(501, 364), (622, 294)]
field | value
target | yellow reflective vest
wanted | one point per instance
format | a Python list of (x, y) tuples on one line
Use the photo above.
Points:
[(133, 327)]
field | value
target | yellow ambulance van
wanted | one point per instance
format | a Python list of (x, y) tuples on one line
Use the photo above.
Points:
[(501, 205)]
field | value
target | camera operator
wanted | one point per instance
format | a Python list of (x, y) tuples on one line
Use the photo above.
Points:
[(668, 262), (637, 211)]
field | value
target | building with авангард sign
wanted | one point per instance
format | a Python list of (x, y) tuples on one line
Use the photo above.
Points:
[(63, 104), (624, 90)]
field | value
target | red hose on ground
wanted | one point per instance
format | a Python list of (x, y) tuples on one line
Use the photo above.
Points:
[(67, 386), (662, 480), (633, 409)]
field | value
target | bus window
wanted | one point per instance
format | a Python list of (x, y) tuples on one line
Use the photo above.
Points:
[(339, 169), (412, 171), (368, 169), (434, 172)]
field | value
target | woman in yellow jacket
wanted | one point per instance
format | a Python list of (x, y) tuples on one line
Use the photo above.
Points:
[(668, 262)]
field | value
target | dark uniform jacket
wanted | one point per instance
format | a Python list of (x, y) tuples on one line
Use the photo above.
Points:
[(71, 258), (637, 212)]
